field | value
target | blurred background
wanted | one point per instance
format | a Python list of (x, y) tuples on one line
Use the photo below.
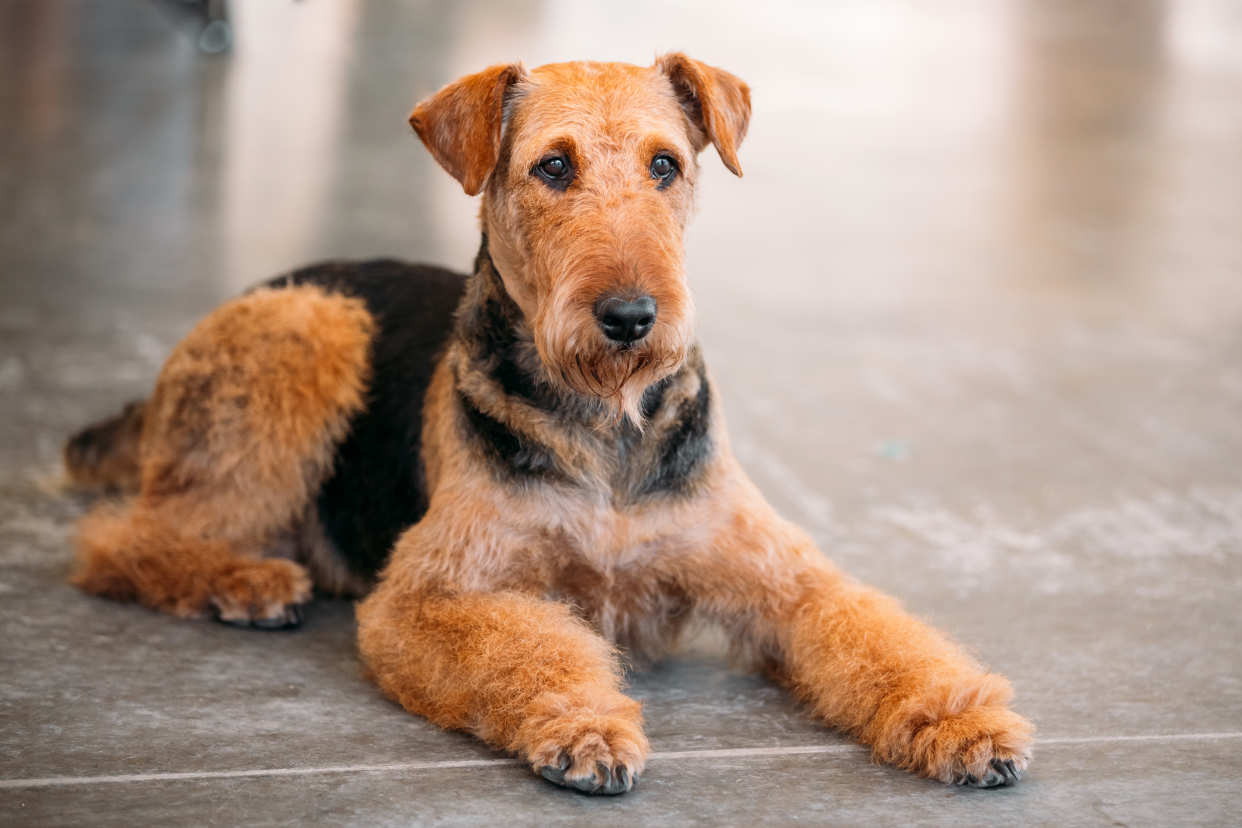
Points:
[(982, 249), (975, 309)]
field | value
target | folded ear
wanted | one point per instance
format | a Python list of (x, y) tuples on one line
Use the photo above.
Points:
[(717, 104), (461, 123)]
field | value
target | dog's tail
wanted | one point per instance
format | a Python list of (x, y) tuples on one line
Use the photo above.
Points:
[(104, 457)]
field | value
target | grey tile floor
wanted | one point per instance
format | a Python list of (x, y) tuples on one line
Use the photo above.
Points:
[(975, 309)]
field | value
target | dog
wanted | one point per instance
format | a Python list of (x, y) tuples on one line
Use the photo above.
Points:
[(524, 473)]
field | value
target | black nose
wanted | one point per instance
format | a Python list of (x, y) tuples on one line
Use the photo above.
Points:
[(624, 320)]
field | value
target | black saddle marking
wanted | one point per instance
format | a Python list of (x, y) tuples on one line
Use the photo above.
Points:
[(378, 486)]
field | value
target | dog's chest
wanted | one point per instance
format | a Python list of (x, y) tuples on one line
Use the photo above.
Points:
[(616, 568)]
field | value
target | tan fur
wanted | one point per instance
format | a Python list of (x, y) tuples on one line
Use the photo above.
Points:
[(104, 457), (238, 436), (634, 573), (461, 125), (558, 252), (503, 611)]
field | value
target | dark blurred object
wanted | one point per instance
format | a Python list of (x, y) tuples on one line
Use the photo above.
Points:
[(206, 21)]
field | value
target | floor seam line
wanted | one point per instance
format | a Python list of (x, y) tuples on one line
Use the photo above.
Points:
[(58, 781)]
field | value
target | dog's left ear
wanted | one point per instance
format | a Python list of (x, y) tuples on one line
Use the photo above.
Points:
[(460, 125), (717, 104)]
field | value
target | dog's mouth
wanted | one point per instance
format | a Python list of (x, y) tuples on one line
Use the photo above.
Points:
[(606, 336), (615, 374), (620, 379)]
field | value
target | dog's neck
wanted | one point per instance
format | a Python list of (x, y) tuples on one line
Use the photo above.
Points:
[(498, 343), (537, 428)]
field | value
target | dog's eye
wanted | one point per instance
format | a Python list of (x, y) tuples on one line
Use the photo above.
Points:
[(555, 172), (663, 168), (553, 168)]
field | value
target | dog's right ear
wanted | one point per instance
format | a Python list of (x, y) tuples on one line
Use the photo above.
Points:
[(461, 123)]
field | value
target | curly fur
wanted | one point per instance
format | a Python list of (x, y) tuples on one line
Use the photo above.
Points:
[(582, 498)]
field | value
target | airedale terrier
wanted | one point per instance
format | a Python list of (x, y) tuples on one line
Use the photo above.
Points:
[(541, 480)]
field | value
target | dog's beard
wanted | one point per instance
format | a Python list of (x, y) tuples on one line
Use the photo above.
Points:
[(580, 358)]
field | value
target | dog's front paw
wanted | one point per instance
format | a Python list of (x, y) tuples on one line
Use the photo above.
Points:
[(264, 594), (983, 748), (595, 744), (965, 736)]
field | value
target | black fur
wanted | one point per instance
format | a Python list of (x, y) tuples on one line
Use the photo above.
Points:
[(653, 398), (492, 327), (519, 458), (647, 463), (685, 448), (378, 487)]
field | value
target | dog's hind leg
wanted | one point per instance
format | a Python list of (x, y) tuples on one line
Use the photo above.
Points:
[(238, 436), (130, 552)]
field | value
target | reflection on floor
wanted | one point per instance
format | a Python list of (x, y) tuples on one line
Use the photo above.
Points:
[(976, 311)]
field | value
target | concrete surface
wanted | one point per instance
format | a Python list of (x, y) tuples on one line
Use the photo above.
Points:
[(976, 311)]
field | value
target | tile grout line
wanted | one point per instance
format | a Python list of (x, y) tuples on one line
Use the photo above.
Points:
[(1170, 737), (56, 781)]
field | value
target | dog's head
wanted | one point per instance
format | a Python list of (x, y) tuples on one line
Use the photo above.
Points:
[(588, 172)]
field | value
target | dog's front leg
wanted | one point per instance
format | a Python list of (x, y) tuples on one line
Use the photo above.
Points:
[(898, 685), (522, 673), (861, 662)]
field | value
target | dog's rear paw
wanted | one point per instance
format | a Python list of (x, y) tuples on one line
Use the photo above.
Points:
[(596, 746), (265, 594)]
